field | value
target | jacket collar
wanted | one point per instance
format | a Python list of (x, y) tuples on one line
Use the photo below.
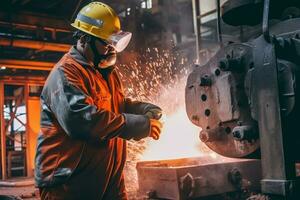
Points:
[(78, 57)]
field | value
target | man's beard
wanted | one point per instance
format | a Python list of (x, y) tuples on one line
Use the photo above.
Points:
[(105, 61)]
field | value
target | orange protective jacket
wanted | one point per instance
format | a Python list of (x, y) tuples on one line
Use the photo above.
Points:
[(84, 121)]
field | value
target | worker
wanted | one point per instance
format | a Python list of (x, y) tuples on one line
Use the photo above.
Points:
[(85, 117)]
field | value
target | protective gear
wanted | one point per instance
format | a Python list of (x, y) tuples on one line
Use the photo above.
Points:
[(155, 129), (102, 61), (120, 40), (100, 20), (154, 113), (83, 127)]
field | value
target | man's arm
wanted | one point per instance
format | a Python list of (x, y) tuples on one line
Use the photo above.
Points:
[(77, 114), (142, 108)]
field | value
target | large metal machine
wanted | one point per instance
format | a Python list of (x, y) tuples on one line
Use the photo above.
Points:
[(246, 98)]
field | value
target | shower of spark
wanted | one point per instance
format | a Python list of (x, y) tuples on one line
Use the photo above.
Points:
[(159, 77), (150, 74)]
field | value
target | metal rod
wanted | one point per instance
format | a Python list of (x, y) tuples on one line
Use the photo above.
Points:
[(26, 64), (33, 27), (30, 44), (74, 14), (220, 39), (14, 139), (29, 170), (265, 27), (2, 129), (196, 15)]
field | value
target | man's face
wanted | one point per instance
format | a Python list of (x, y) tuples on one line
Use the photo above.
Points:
[(106, 53)]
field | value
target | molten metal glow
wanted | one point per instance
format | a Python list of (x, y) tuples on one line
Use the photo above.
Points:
[(179, 139), (159, 77)]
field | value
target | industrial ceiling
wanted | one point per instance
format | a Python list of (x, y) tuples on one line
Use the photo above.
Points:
[(35, 34)]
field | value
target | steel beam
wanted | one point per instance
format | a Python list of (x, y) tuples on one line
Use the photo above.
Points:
[(278, 167), (38, 21), (29, 170), (30, 44), (2, 136), (21, 80), (31, 27), (26, 64)]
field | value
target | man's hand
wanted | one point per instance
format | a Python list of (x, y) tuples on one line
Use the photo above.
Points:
[(155, 129), (154, 113)]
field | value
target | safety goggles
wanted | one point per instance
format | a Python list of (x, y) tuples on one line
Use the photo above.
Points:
[(119, 41)]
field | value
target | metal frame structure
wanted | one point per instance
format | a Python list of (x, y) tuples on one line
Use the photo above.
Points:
[(26, 83), (3, 135)]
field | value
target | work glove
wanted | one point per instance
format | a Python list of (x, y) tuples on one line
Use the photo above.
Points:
[(154, 113), (155, 129)]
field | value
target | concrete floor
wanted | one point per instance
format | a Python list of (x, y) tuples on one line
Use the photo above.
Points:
[(24, 188), (28, 192)]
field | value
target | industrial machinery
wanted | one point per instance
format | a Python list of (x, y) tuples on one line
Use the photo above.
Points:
[(246, 101), (199, 177), (246, 98)]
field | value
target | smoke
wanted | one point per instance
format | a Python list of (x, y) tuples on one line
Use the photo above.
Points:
[(159, 77), (153, 74)]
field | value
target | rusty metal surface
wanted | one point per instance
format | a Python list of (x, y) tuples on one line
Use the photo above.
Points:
[(196, 177), (218, 94), (216, 101), (274, 96), (246, 95)]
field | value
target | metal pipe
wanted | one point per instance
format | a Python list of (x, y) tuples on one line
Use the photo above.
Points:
[(196, 21), (29, 170), (265, 27), (2, 135), (33, 27), (76, 10), (26, 64), (30, 44), (220, 39)]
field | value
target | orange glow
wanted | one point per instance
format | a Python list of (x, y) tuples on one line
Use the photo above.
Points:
[(179, 139), (160, 77)]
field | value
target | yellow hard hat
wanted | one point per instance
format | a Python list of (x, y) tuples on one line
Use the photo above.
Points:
[(101, 21)]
